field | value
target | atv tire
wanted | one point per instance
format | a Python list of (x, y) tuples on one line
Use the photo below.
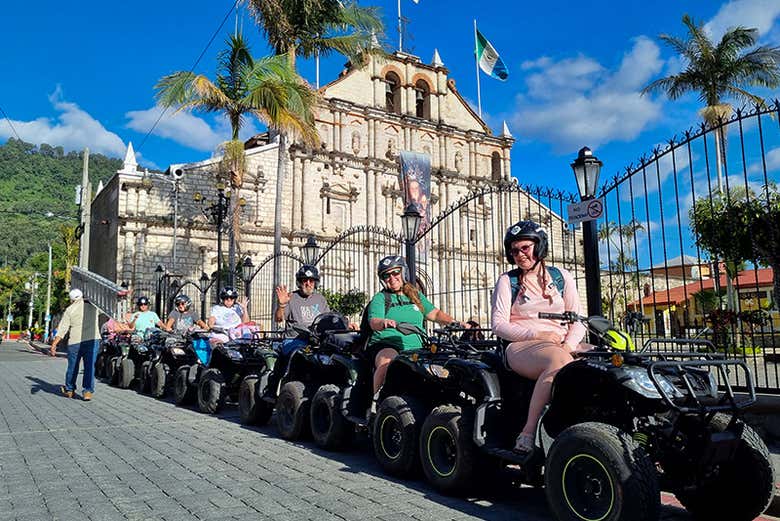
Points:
[(126, 373), (396, 434), (253, 411), (292, 411), (596, 471), (112, 373), (100, 365), (157, 377), (743, 486), (211, 391), (329, 428), (447, 449), (143, 380), (183, 392)]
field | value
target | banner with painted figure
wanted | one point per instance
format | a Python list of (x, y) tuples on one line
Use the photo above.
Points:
[(416, 184)]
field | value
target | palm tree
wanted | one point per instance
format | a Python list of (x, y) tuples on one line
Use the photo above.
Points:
[(311, 28), (719, 70), (268, 88)]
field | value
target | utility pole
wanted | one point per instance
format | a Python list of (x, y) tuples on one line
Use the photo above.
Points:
[(86, 197), (48, 301)]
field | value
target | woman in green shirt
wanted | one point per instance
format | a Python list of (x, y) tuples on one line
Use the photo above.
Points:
[(398, 302)]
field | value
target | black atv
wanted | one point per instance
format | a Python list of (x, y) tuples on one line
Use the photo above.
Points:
[(258, 390), (221, 376), (112, 345), (127, 367), (169, 353), (197, 351), (625, 425), (326, 388), (417, 383)]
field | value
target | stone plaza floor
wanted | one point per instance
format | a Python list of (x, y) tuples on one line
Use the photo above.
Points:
[(128, 456)]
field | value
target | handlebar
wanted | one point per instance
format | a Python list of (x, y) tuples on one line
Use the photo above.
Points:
[(566, 316)]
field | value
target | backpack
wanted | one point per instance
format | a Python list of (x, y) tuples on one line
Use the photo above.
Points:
[(514, 281)]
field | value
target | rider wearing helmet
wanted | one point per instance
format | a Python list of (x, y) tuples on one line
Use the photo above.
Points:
[(538, 348), (302, 306), (181, 318), (144, 319), (230, 314), (399, 301)]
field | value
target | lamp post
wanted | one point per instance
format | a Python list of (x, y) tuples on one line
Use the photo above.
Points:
[(203, 288), (247, 270), (159, 270), (410, 220), (309, 251), (586, 172), (47, 319), (216, 212)]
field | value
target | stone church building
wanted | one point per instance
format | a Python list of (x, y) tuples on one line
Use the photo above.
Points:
[(366, 116)]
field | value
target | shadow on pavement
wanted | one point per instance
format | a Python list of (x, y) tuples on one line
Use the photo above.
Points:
[(42, 385)]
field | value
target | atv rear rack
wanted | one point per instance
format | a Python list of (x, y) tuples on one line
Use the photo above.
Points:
[(727, 401)]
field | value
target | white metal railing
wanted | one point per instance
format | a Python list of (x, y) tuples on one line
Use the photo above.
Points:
[(107, 296)]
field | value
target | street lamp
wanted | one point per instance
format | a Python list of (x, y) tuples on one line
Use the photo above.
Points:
[(587, 168), (410, 221), (216, 213), (203, 288), (159, 270), (309, 251), (48, 301), (247, 270)]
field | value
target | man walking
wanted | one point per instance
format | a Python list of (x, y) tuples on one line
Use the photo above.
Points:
[(80, 321)]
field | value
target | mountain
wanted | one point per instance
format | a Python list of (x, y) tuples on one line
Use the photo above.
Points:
[(33, 182)]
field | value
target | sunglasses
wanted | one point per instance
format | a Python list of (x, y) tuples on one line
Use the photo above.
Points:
[(140, 305), (525, 249), (311, 281), (386, 275)]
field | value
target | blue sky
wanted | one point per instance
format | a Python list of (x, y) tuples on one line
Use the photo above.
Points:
[(83, 74)]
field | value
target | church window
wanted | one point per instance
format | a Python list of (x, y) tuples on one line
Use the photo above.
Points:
[(422, 98), (495, 166), (393, 93), (327, 205)]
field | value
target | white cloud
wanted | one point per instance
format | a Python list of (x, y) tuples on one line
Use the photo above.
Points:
[(185, 128), (577, 101), (73, 129), (760, 14)]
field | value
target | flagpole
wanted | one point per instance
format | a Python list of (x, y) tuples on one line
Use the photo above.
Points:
[(400, 30), (476, 62)]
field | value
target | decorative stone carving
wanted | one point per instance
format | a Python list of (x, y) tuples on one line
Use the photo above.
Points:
[(356, 142), (458, 160), (391, 152)]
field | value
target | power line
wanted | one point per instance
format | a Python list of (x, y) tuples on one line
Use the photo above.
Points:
[(192, 69), (10, 124)]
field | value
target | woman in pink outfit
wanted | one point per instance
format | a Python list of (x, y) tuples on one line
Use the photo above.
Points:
[(538, 348)]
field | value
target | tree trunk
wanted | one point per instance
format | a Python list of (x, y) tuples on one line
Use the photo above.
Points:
[(280, 174)]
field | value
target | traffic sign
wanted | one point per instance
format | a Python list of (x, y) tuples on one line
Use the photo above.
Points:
[(583, 211)]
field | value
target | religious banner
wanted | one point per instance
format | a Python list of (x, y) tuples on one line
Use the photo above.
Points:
[(416, 187)]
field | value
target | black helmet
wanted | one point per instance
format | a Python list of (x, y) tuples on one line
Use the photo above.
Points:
[(227, 292), (140, 301), (527, 230), (182, 299), (389, 263), (307, 271)]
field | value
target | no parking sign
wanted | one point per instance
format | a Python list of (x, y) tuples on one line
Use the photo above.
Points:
[(589, 210)]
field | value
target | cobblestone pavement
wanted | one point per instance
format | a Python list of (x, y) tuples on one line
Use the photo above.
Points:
[(128, 456)]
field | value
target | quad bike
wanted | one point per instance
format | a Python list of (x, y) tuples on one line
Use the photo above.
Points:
[(225, 370), (127, 366), (624, 424), (325, 389), (197, 354), (258, 389), (169, 353), (112, 345)]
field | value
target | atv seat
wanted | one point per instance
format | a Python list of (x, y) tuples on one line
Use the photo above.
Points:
[(341, 341)]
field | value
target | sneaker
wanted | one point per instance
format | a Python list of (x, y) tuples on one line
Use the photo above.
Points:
[(64, 392), (87, 396)]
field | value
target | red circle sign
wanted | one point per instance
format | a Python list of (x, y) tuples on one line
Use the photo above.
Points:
[(595, 208)]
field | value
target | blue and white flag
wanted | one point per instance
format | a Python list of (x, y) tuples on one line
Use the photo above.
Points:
[(489, 60)]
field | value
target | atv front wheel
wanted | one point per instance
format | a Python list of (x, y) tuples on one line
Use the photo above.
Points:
[(596, 471), (143, 380), (183, 392), (396, 433), (211, 391), (112, 372), (126, 373), (447, 449), (100, 365), (292, 411), (157, 379), (253, 411), (329, 428), (741, 488)]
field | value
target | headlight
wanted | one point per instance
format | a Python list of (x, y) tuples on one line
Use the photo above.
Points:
[(438, 370), (641, 383), (142, 349), (235, 355), (177, 351)]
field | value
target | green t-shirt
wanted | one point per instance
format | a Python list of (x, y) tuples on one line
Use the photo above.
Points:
[(401, 310)]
